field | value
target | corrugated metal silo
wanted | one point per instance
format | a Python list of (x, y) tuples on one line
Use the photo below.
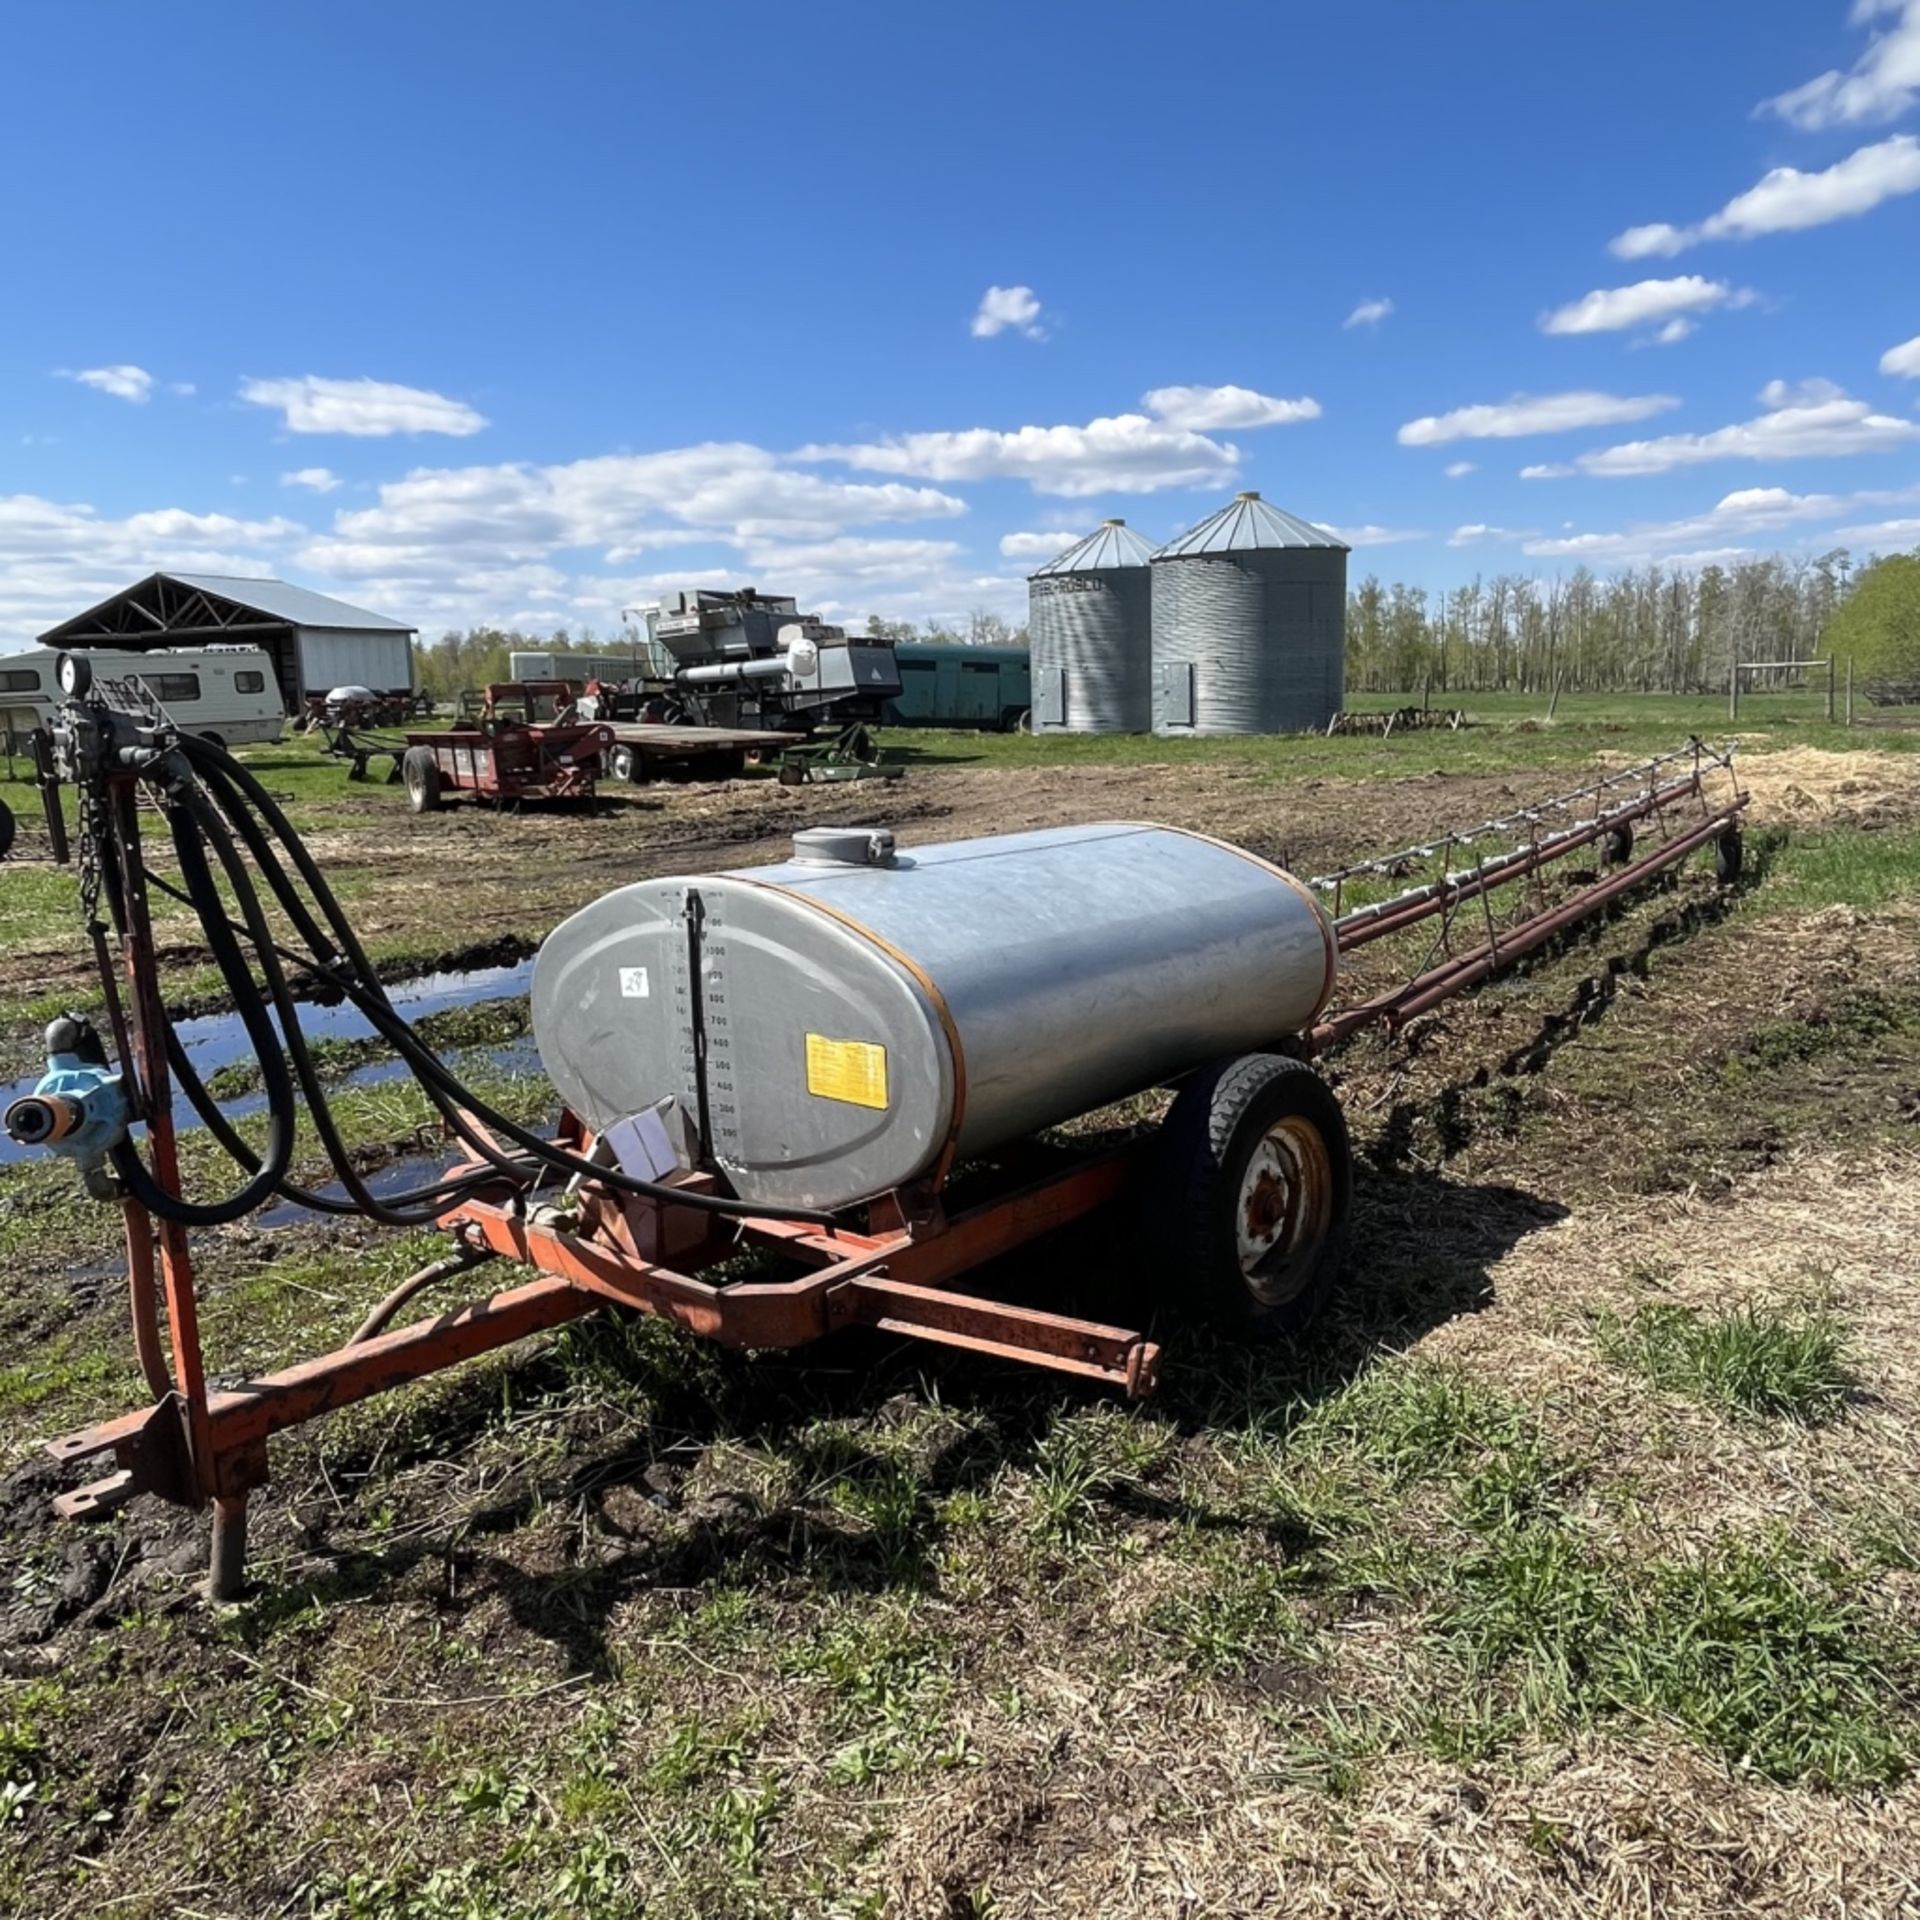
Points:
[(1249, 624), (1089, 620)]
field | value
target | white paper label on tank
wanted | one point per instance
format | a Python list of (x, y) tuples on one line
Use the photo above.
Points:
[(633, 983)]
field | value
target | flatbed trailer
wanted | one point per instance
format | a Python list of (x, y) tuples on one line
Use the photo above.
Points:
[(646, 750)]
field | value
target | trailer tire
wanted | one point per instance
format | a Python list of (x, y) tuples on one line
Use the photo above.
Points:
[(1253, 1194), (625, 763), (421, 772), (7, 829), (1727, 857)]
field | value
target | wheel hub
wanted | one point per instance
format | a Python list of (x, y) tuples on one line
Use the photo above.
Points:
[(1280, 1217)]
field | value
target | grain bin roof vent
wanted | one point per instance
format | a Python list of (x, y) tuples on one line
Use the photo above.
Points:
[(1112, 544), (1247, 524)]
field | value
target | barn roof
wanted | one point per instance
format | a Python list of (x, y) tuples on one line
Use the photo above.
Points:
[(169, 609)]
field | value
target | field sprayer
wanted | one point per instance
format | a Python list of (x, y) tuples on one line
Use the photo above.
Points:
[(836, 1064)]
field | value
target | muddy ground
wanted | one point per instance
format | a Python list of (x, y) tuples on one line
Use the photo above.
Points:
[(1452, 1610)]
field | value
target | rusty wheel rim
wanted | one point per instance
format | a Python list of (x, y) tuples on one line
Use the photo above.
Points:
[(1282, 1209)]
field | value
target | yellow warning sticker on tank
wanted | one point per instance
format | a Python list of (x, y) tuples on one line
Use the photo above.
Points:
[(851, 1070)]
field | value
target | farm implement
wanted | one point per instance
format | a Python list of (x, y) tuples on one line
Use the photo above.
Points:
[(797, 1098)]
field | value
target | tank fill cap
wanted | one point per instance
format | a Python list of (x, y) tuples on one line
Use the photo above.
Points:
[(843, 847)]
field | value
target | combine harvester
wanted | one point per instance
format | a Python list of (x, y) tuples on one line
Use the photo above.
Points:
[(737, 677), (837, 1064)]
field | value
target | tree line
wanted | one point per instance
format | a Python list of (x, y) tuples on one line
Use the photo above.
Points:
[(1652, 629)]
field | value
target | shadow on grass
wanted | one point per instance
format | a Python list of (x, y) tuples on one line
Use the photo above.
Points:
[(854, 1508)]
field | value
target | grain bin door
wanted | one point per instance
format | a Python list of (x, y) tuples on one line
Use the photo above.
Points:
[(1176, 693), (1050, 697)]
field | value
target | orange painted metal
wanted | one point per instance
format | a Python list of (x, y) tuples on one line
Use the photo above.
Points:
[(244, 1416), (148, 1031)]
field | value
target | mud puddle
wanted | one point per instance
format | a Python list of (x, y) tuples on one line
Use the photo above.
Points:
[(214, 1041)]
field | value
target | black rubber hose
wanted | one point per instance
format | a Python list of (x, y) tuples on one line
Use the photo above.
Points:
[(232, 1142), (236, 1147), (140, 1183), (319, 1109), (448, 1105), (386, 1208), (370, 997)]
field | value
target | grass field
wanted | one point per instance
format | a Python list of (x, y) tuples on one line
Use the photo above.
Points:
[(1572, 1566)]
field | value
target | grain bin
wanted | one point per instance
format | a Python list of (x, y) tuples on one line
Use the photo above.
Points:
[(1249, 624), (1089, 618)]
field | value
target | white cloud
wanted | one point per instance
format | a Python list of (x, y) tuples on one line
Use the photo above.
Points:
[(1800, 393), (1612, 309), (1658, 237), (1372, 536), (1882, 536), (452, 546), (1459, 469), (1210, 409), (1035, 546), (1903, 360), (1787, 200), (1814, 420), (123, 382), (1881, 85), (315, 479), (367, 409), (1126, 453), (1478, 530), (185, 389), (1676, 330), (1547, 470), (1741, 514), (727, 491), (1002, 308), (850, 558), (1533, 413), (57, 558), (1369, 313)]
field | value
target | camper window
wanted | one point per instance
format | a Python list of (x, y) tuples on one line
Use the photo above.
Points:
[(247, 682), (173, 686), (19, 680)]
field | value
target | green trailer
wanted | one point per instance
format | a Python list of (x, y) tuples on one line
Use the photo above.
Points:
[(957, 686)]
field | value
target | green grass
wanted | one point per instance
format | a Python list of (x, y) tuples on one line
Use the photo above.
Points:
[(1505, 732), (1760, 1649), (1842, 865), (1790, 1363)]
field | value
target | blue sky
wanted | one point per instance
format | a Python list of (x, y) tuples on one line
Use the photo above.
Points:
[(519, 314)]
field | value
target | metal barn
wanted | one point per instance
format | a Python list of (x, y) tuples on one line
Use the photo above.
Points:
[(1089, 615), (1249, 624), (315, 642)]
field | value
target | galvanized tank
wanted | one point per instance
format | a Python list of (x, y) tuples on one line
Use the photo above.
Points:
[(1089, 617), (1249, 624), (852, 1019)]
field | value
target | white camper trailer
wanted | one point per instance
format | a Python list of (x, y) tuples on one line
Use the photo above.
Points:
[(225, 694)]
